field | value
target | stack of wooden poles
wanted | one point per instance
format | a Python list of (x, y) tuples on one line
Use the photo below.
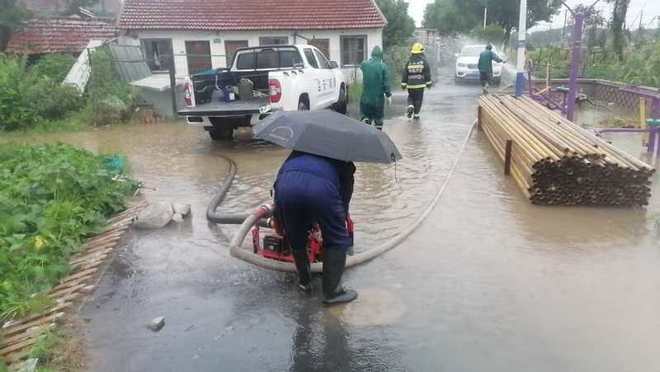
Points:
[(556, 162)]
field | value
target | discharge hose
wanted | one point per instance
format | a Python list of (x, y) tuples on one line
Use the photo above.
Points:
[(357, 259)]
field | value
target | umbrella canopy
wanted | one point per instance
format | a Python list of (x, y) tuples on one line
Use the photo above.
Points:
[(328, 133)]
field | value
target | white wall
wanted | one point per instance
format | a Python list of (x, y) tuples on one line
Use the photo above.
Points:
[(217, 42)]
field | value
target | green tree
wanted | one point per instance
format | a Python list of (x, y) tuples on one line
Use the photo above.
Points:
[(619, 12), (460, 16), (12, 16), (400, 26)]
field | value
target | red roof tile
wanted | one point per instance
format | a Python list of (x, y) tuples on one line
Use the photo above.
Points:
[(226, 15), (59, 35)]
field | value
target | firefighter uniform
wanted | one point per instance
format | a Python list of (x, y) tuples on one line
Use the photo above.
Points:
[(416, 77)]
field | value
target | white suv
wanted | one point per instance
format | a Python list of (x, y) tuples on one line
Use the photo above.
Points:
[(467, 64)]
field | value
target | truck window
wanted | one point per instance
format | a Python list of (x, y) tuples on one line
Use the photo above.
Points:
[(323, 62), (246, 61), (267, 58), (290, 58), (309, 54)]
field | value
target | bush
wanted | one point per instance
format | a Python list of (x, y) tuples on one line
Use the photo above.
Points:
[(396, 58), (27, 98), (51, 198), (110, 98), (54, 66)]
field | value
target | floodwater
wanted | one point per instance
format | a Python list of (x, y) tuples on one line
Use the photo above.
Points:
[(487, 283)]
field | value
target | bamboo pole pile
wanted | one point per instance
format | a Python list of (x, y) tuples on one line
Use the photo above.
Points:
[(555, 162)]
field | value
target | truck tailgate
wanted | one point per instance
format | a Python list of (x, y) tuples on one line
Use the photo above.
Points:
[(257, 105)]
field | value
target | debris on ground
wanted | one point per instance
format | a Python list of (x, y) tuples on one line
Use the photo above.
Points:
[(158, 215), (29, 365), (156, 324)]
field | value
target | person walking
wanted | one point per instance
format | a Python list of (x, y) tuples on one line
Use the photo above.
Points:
[(486, 59), (375, 88), (312, 189), (416, 77)]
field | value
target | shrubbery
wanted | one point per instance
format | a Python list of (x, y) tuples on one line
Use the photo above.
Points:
[(51, 198), (640, 67), (31, 95)]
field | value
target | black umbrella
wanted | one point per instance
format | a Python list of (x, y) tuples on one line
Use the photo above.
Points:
[(330, 134)]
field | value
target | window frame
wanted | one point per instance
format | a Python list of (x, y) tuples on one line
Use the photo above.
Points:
[(323, 61), (170, 60), (188, 56), (342, 50), (263, 38), (230, 61)]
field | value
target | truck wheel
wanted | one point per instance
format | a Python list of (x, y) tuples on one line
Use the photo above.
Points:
[(342, 104), (221, 133)]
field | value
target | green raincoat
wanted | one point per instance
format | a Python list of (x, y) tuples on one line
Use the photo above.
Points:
[(486, 59), (376, 86)]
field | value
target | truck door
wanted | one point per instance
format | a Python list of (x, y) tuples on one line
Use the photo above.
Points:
[(319, 87), (328, 79)]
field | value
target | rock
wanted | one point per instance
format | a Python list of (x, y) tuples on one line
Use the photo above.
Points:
[(156, 324), (29, 365), (177, 218), (182, 209), (155, 216)]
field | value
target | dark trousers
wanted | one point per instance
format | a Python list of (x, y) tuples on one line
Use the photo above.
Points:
[(415, 98), (485, 78)]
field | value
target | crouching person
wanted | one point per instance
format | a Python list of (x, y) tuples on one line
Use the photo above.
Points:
[(310, 190)]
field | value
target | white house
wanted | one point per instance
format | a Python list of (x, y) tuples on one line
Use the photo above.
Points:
[(203, 34)]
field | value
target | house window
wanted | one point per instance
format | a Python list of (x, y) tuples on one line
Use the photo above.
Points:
[(273, 40), (309, 55), (353, 50), (231, 46), (322, 44), (158, 53), (198, 54)]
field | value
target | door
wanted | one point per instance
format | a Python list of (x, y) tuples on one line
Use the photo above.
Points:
[(198, 54), (231, 46), (323, 77)]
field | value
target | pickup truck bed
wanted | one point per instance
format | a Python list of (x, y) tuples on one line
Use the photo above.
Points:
[(256, 105)]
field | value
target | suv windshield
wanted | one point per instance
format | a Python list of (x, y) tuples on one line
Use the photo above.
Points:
[(472, 50)]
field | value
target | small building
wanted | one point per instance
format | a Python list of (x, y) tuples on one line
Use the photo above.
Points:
[(205, 34), (69, 35)]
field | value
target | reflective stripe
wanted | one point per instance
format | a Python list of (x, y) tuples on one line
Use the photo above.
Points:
[(417, 86)]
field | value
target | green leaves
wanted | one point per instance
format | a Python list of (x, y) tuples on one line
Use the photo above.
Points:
[(51, 198)]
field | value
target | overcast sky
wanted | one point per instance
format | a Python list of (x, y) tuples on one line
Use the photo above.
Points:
[(651, 9)]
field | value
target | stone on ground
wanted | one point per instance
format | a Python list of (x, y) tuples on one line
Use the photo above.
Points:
[(156, 324), (182, 209), (155, 216)]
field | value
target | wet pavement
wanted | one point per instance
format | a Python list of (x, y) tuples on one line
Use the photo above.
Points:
[(488, 283)]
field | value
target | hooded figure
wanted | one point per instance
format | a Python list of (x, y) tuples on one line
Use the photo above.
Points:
[(485, 65), (376, 86)]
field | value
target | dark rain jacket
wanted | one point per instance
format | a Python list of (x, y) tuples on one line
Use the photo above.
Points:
[(417, 73), (486, 59), (375, 79)]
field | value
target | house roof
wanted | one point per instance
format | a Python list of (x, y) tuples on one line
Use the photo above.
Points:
[(59, 35), (235, 15)]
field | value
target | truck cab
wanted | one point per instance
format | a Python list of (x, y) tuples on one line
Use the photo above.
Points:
[(259, 81)]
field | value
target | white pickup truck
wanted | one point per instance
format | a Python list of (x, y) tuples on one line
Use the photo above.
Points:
[(261, 80)]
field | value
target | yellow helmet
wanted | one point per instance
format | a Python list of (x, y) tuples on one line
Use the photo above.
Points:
[(417, 48)]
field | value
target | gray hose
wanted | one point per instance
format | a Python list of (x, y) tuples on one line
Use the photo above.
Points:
[(357, 259), (224, 218)]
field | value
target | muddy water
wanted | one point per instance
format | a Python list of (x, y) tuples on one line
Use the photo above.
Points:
[(489, 282)]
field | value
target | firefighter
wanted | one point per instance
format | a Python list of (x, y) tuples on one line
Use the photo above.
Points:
[(486, 59), (313, 189), (376, 86), (416, 77)]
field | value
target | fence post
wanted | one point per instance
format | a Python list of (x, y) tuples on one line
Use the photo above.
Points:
[(173, 88)]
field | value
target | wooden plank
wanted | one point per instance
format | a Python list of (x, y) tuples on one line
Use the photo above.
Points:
[(507, 157)]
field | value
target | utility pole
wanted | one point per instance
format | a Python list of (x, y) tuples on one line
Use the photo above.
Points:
[(485, 14), (522, 35)]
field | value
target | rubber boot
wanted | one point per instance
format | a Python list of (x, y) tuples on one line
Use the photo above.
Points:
[(334, 261), (304, 272), (416, 117), (378, 124), (411, 109)]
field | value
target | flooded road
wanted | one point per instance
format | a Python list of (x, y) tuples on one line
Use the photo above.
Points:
[(488, 283)]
